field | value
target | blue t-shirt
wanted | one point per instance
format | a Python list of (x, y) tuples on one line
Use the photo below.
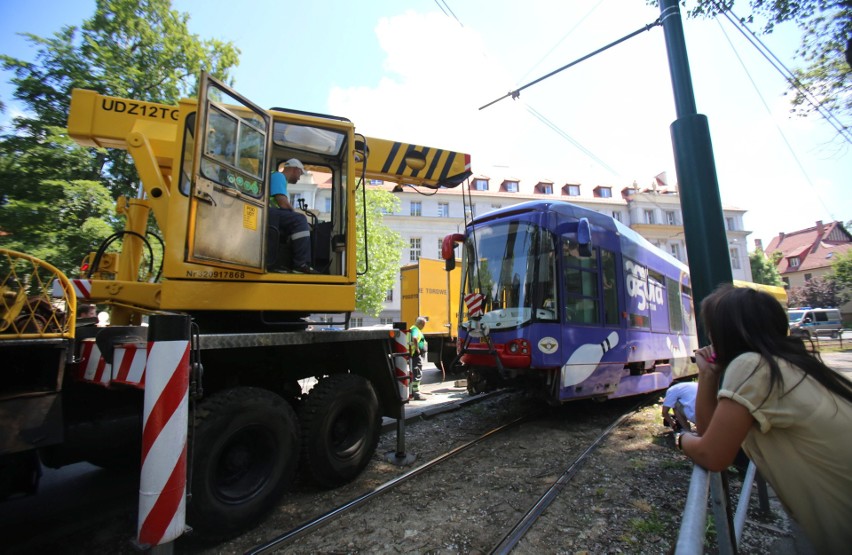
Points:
[(277, 185)]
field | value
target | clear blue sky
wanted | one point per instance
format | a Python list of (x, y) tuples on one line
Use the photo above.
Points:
[(413, 71)]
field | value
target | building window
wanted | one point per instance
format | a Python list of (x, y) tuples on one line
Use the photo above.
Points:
[(544, 188), (786, 281), (327, 205), (416, 208), (295, 197), (443, 209), (794, 262), (735, 259), (389, 296), (675, 249), (730, 223), (808, 277), (496, 206), (470, 211), (386, 321), (356, 322), (480, 184), (414, 249), (510, 186), (603, 192), (616, 215), (648, 216), (671, 217), (571, 190)]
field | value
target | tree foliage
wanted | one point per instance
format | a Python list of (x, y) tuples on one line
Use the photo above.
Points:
[(823, 292), (827, 36), (379, 264), (841, 270), (764, 269), (139, 49)]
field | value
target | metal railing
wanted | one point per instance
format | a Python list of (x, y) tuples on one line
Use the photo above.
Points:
[(703, 483), (36, 299)]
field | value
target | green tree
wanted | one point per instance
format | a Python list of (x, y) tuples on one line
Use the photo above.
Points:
[(382, 255), (823, 292), (764, 269), (827, 30), (841, 270), (140, 49)]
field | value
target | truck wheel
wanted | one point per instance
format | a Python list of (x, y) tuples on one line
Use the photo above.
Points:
[(245, 452), (340, 424)]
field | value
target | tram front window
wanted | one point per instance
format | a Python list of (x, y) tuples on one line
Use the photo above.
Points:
[(512, 265)]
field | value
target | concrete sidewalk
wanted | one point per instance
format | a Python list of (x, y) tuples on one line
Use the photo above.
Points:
[(440, 394)]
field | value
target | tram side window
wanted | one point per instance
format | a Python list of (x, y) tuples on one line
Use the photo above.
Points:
[(636, 282), (689, 311), (544, 290), (656, 301), (580, 275), (610, 293), (675, 308)]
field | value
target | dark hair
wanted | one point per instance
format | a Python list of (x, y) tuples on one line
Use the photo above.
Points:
[(84, 308), (740, 320)]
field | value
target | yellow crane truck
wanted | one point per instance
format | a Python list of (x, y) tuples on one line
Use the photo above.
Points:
[(72, 392)]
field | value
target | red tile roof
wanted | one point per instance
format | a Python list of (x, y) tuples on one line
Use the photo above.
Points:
[(816, 247)]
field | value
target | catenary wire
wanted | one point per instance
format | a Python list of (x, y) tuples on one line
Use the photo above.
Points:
[(780, 131), (785, 72)]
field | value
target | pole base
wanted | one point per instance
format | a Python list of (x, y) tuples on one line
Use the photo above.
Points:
[(400, 459)]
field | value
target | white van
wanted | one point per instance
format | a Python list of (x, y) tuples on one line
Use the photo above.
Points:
[(807, 321)]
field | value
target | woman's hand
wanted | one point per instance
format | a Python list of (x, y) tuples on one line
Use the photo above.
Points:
[(709, 374), (705, 358)]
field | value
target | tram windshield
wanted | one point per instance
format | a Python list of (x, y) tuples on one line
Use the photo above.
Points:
[(509, 274)]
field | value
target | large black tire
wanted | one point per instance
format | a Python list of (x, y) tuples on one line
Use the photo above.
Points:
[(340, 424), (245, 453)]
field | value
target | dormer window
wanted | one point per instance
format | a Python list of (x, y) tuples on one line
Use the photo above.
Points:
[(602, 192), (480, 184), (794, 261), (571, 190), (510, 186), (544, 188)]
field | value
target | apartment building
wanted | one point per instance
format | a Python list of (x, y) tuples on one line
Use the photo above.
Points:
[(425, 217)]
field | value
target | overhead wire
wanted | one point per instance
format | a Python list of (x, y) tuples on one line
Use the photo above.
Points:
[(448, 9), (517, 92), (571, 140), (780, 131), (843, 130), (538, 115), (565, 36)]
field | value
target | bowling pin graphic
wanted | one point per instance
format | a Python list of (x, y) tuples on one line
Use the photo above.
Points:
[(585, 359)]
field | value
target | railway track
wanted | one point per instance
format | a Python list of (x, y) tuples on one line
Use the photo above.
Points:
[(503, 491), (489, 465)]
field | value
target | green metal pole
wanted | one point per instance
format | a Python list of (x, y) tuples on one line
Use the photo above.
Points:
[(701, 204)]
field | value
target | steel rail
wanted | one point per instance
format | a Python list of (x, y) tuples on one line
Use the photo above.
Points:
[(514, 536), (329, 516)]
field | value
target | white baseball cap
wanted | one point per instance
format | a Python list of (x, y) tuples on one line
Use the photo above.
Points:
[(294, 163)]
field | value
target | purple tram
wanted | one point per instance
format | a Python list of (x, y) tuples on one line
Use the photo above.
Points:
[(570, 303)]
